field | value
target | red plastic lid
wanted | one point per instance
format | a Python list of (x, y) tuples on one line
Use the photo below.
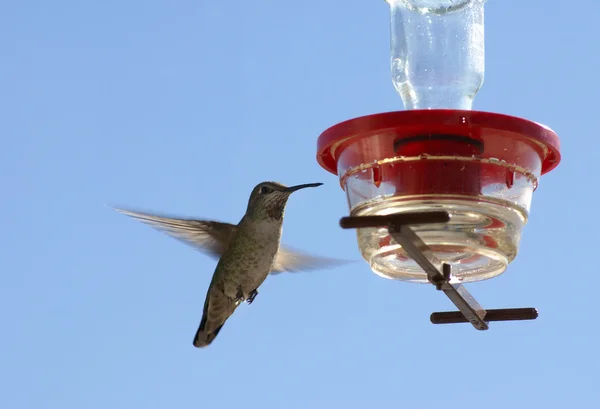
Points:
[(482, 125)]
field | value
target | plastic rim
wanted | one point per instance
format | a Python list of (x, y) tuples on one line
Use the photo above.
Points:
[(442, 121)]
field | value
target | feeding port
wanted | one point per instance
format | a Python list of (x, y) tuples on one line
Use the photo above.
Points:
[(439, 155)]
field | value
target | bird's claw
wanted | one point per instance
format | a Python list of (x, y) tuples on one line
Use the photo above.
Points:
[(239, 297), (251, 296)]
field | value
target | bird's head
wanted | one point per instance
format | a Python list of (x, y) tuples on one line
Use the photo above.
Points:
[(268, 199)]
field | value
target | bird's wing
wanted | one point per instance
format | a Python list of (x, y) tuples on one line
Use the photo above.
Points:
[(210, 237), (288, 260), (213, 238)]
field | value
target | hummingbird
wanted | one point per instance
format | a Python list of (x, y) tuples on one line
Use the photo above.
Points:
[(248, 252)]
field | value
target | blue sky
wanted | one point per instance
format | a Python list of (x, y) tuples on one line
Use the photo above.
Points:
[(181, 107)]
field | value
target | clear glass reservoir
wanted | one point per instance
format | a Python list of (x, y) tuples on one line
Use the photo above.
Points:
[(437, 52)]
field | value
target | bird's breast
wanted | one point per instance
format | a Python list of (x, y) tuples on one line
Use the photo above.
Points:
[(263, 240), (253, 249)]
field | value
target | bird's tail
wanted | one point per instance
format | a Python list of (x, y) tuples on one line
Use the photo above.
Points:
[(204, 338), (217, 309)]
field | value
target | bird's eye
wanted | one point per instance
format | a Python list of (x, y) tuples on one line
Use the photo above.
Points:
[(264, 190)]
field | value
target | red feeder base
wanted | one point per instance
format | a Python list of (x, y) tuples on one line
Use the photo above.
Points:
[(481, 167)]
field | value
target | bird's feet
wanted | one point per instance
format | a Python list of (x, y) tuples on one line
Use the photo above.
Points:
[(251, 296), (239, 297)]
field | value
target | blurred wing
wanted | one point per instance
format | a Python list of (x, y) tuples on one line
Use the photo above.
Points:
[(209, 237), (292, 261)]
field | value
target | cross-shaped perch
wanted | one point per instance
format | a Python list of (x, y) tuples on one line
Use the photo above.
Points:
[(469, 309)]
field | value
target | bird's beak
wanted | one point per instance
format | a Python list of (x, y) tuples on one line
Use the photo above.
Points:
[(298, 187)]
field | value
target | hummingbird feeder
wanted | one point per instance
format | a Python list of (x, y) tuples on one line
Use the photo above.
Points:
[(440, 193)]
